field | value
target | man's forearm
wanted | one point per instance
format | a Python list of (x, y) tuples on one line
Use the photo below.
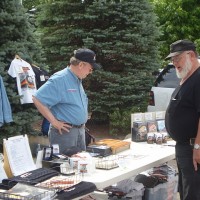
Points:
[(44, 110), (197, 139)]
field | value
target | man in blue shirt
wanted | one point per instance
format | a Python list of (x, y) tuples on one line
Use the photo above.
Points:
[(63, 102)]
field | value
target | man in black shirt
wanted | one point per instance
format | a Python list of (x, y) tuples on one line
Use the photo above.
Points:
[(182, 117)]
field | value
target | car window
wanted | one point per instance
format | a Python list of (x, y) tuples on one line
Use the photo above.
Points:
[(167, 78)]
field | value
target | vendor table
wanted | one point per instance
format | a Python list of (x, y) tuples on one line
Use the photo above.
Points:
[(140, 157), (144, 157)]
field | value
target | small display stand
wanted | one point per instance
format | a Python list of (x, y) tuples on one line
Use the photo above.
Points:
[(2, 172), (17, 156), (149, 126)]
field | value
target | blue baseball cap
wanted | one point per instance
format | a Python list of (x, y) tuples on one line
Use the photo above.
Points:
[(86, 55)]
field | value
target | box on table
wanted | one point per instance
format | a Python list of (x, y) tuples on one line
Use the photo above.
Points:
[(102, 150), (149, 122), (139, 132), (115, 145)]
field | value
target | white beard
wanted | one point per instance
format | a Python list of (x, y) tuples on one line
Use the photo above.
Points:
[(186, 69)]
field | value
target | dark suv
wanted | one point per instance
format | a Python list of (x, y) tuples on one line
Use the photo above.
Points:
[(164, 85)]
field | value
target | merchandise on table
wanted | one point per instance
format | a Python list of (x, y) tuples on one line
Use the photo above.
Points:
[(27, 192), (115, 145), (61, 182)]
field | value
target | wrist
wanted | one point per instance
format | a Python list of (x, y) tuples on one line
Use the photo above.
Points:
[(196, 146)]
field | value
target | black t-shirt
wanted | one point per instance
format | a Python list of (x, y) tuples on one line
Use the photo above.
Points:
[(41, 76), (182, 114)]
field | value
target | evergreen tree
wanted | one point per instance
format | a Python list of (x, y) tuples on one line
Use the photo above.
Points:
[(16, 37), (124, 36)]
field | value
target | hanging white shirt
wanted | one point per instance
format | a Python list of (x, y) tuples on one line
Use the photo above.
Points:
[(25, 77)]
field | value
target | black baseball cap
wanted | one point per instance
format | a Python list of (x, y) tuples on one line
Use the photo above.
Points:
[(86, 55), (180, 46)]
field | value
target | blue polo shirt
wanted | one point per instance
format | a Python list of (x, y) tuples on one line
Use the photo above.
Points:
[(64, 95)]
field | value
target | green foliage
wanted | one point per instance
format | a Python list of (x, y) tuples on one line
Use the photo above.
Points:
[(16, 38), (178, 20), (120, 122), (124, 36), (29, 4)]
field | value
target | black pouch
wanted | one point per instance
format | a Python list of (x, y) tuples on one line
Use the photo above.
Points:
[(78, 190), (88, 137)]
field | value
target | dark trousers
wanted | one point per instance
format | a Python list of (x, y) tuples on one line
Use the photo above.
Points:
[(45, 127), (189, 179)]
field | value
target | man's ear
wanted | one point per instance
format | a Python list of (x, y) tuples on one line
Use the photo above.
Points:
[(81, 64), (193, 55)]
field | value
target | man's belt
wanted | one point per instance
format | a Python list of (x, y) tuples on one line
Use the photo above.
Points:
[(192, 141), (76, 126)]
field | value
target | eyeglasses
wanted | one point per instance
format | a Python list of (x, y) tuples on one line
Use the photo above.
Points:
[(88, 65), (91, 69), (178, 58)]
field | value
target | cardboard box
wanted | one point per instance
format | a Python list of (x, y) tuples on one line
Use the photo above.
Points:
[(115, 145), (164, 191), (139, 132)]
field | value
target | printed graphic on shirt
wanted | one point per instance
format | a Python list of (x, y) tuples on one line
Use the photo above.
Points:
[(26, 81), (25, 77)]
